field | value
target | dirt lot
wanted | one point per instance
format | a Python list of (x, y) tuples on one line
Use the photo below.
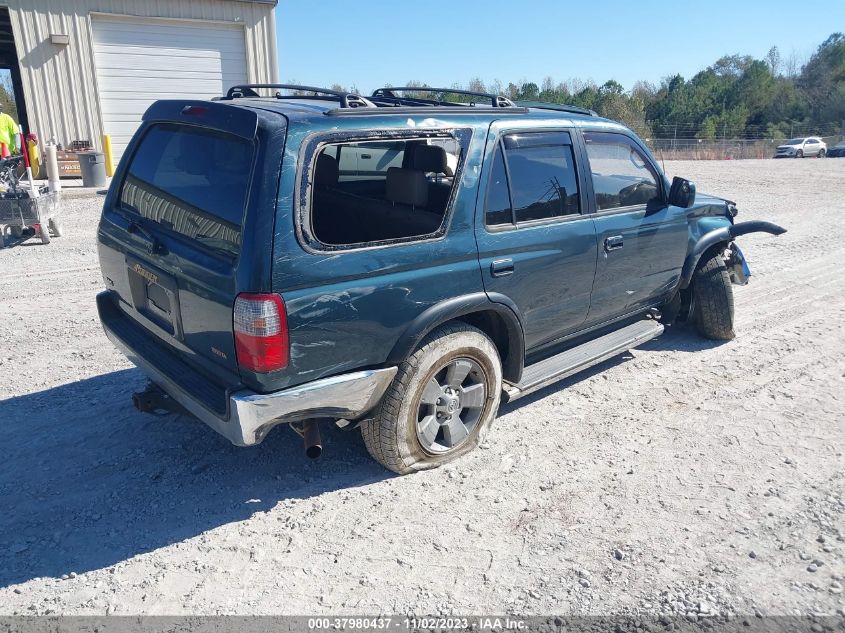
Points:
[(685, 477)]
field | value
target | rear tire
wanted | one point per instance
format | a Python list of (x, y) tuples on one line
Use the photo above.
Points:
[(713, 300), (441, 403), (822, 153)]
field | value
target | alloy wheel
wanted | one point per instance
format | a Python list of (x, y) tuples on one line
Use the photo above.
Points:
[(451, 405)]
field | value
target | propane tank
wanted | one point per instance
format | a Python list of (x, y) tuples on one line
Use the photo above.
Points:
[(34, 154), (33, 190), (51, 158)]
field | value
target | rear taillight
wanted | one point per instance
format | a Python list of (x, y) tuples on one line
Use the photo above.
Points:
[(261, 332)]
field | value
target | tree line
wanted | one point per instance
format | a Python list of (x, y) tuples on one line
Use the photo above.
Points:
[(736, 97), (7, 100)]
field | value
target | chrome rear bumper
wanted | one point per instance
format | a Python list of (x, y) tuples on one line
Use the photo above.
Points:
[(347, 396), (251, 415)]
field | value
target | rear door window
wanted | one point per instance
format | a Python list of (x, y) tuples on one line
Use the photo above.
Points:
[(192, 181)]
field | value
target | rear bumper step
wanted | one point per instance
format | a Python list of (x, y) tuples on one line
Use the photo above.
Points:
[(581, 357), (251, 415)]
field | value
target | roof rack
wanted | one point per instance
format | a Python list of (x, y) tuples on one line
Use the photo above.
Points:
[(428, 109), (388, 95), (387, 98), (346, 99), (559, 107)]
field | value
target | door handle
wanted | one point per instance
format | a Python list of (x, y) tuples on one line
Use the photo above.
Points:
[(501, 267), (366, 156), (613, 243)]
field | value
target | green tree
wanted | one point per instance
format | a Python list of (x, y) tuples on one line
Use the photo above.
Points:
[(7, 98), (735, 97), (529, 92), (822, 80)]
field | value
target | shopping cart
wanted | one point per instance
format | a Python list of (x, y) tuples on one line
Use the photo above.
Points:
[(23, 213)]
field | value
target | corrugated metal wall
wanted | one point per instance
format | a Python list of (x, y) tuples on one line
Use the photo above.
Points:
[(60, 82)]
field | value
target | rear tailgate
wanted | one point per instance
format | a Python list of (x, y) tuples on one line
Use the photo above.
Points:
[(172, 244)]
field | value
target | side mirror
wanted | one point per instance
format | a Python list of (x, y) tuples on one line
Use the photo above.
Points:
[(682, 193)]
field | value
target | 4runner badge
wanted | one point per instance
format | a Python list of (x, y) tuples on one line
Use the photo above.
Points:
[(219, 353), (146, 274)]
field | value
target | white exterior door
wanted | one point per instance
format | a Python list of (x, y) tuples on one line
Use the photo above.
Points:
[(141, 60)]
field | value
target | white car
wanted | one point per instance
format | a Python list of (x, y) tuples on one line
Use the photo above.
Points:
[(801, 147)]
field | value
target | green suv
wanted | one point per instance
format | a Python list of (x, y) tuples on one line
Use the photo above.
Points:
[(396, 262)]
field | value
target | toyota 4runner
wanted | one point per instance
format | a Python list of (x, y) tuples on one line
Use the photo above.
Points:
[(396, 262)]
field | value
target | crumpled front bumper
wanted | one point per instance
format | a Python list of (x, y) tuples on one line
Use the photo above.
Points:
[(251, 415)]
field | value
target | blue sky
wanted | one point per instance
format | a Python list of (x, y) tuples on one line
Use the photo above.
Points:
[(370, 43)]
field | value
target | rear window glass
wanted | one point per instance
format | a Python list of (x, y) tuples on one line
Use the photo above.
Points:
[(193, 181)]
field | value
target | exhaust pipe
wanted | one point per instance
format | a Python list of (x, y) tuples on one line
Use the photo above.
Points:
[(311, 436)]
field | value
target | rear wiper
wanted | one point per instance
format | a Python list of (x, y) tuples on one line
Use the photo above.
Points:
[(154, 246), (135, 227)]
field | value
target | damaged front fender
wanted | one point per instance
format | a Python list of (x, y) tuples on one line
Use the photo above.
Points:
[(723, 235), (738, 269)]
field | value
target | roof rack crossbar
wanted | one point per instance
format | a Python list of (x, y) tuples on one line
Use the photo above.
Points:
[(346, 99), (496, 101)]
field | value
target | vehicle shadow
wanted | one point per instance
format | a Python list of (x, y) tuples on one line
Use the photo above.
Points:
[(680, 337), (565, 383), (677, 338), (87, 482)]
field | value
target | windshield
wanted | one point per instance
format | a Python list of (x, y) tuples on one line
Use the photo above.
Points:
[(192, 181), (794, 141)]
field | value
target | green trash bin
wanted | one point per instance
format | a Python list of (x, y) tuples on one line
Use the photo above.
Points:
[(93, 168)]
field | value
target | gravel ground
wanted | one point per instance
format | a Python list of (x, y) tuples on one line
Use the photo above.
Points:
[(686, 477)]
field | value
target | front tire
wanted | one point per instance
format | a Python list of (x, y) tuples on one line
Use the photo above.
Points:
[(441, 403), (713, 300), (799, 153)]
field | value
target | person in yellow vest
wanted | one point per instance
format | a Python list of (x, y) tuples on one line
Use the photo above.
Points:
[(8, 131)]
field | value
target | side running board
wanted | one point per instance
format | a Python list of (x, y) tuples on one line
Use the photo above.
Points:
[(583, 356)]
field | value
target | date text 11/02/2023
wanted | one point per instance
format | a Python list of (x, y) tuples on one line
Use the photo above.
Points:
[(484, 623)]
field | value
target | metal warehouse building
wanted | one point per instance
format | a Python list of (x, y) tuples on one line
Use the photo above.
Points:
[(84, 68)]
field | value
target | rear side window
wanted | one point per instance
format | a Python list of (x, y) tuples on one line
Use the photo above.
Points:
[(374, 191), (533, 178), (192, 181), (622, 175)]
